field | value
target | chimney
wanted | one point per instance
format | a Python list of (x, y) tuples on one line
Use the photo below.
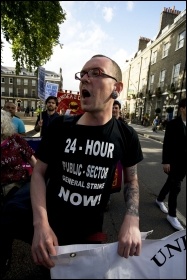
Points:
[(143, 43), (167, 17)]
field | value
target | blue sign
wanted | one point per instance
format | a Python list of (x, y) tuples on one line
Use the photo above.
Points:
[(51, 89), (41, 83)]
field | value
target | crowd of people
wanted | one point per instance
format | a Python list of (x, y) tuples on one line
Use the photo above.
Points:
[(62, 200)]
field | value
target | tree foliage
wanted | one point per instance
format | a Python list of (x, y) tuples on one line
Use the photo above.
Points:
[(32, 28)]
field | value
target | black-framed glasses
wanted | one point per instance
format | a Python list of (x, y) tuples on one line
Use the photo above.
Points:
[(92, 73)]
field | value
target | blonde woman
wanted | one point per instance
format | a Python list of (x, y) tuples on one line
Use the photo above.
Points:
[(17, 157), (17, 161)]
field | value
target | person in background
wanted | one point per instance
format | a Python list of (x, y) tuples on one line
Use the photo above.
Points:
[(38, 110), (27, 112), (116, 110), (174, 164), (47, 116), (32, 111), (17, 161), (70, 208), (18, 123), (155, 124)]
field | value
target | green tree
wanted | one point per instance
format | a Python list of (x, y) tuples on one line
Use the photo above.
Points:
[(32, 28)]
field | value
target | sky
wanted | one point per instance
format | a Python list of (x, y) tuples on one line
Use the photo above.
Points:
[(111, 28)]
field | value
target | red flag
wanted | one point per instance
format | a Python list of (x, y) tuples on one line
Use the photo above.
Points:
[(69, 100)]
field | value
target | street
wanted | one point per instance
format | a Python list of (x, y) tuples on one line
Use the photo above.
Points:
[(151, 179)]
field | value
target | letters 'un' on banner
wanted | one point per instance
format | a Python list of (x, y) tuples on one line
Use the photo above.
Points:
[(160, 259)]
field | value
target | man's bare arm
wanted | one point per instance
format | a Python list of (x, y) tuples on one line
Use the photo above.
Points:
[(129, 235), (131, 191)]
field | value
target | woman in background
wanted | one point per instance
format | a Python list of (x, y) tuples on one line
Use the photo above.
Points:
[(17, 157), (17, 161)]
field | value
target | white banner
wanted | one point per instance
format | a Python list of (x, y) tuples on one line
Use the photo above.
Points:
[(160, 259)]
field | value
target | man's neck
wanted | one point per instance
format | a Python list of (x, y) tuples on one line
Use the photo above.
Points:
[(183, 117), (50, 112)]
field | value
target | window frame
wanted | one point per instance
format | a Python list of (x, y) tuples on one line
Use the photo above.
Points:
[(165, 50), (154, 57), (178, 44)]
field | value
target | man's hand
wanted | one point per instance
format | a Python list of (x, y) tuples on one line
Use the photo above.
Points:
[(129, 237), (166, 168), (38, 126), (43, 244), (40, 123)]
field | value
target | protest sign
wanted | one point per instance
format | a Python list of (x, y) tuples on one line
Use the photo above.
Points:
[(51, 89), (160, 259), (41, 83), (69, 101)]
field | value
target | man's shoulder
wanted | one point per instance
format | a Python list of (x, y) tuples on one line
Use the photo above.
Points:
[(122, 120), (55, 115), (126, 130), (17, 120), (174, 122), (65, 120)]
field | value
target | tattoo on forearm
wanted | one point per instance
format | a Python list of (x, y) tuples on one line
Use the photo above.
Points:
[(131, 196), (133, 170)]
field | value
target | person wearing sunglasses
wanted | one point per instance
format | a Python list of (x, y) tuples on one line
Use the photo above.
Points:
[(79, 156)]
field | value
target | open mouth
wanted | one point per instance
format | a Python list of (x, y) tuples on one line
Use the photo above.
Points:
[(85, 93)]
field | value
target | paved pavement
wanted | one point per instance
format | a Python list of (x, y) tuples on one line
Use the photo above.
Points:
[(147, 132)]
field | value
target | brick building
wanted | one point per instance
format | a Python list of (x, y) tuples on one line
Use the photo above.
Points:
[(22, 89), (156, 75)]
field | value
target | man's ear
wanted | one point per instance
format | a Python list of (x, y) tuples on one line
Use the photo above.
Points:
[(119, 87)]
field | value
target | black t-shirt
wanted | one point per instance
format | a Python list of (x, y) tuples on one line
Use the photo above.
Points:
[(47, 119), (81, 164)]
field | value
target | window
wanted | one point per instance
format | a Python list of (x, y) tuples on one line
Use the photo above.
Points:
[(154, 57), (142, 85), (33, 93), (138, 68), (10, 92), (151, 82), (10, 80), (176, 71), (162, 79), (136, 86), (18, 81), (152, 79), (18, 91), (25, 81), (180, 40), (145, 62), (25, 91), (2, 90), (33, 83), (2, 79), (158, 103), (165, 50)]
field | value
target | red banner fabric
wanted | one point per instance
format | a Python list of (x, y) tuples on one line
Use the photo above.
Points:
[(69, 101)]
